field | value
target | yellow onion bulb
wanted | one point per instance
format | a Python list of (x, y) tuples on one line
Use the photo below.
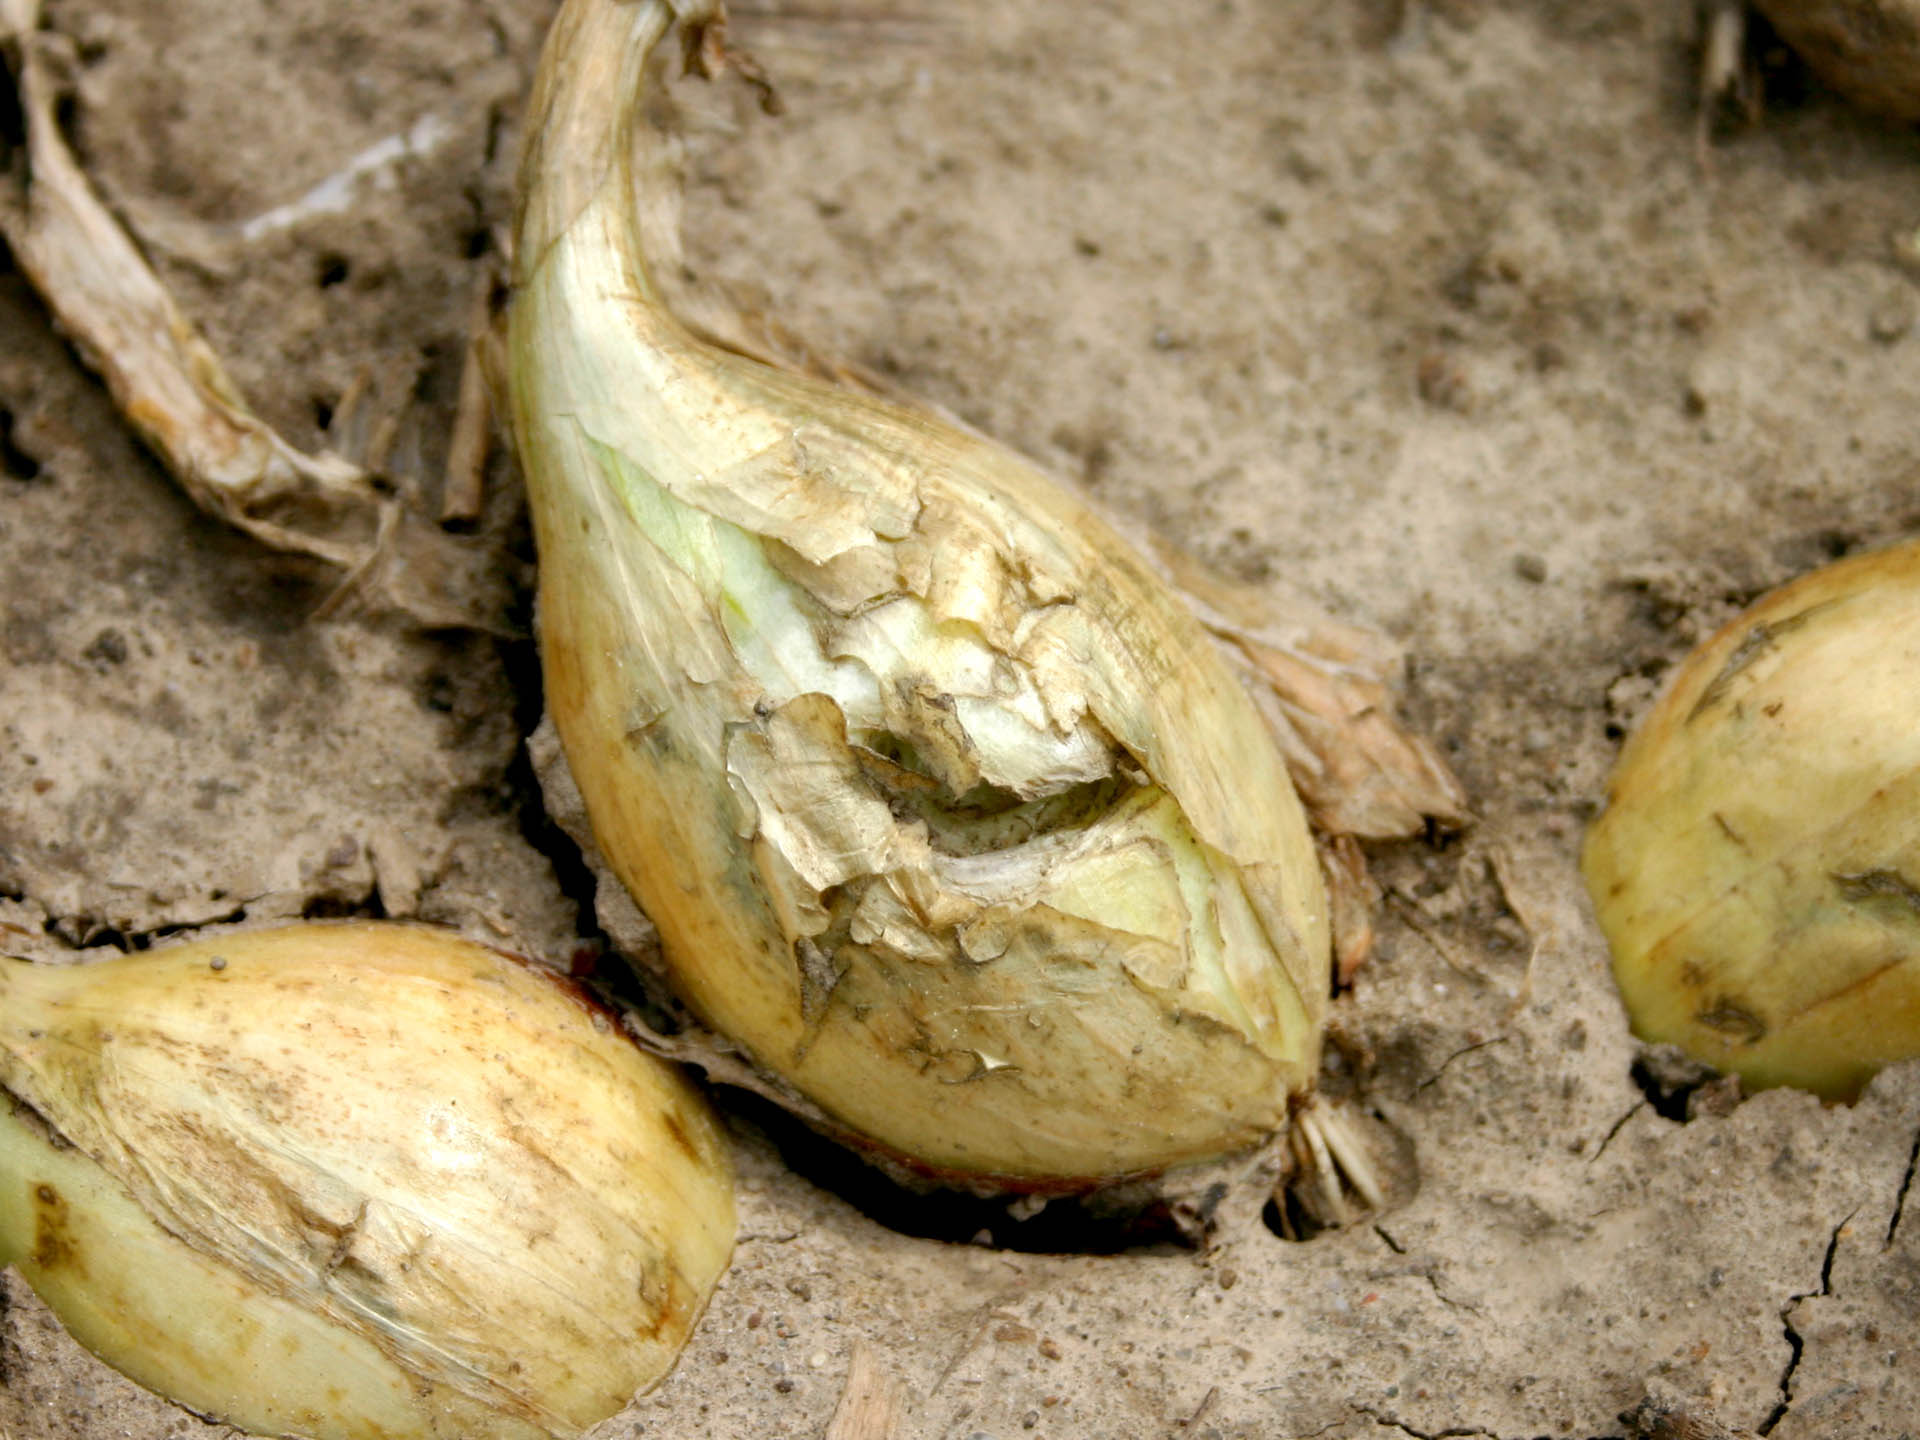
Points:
[(355, 1182), (1868, 50), (947, 810), (1756, 869)]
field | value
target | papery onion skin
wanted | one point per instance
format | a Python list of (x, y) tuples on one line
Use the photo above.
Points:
[(1757, 867), (945, 807), (355, 1181)]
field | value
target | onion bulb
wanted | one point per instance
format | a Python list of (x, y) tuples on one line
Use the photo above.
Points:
[(947, 810), (1757, 867), (355, 1182), (1868, 50)]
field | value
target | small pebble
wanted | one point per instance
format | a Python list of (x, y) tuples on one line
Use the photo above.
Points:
[(109, 647), (1893, 318)]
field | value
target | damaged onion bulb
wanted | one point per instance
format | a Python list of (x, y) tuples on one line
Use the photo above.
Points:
[(355, 1182), (1757, 867), (947, 810)]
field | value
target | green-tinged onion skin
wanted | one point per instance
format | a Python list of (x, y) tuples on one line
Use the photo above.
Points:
[(355, 1182), (1757, 867), (944, 805)]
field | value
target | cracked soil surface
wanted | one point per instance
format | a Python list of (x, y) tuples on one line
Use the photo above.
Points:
[(1428, 310)]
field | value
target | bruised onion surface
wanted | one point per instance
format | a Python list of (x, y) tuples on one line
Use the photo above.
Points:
[(946, 808), (355, 1181), (1757, 867)]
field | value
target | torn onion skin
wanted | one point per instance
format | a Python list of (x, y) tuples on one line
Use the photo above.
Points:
[(1757, 867), (356, 1181), (946, 808)]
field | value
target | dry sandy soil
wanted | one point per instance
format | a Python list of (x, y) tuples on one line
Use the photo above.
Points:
[(1428, 310)]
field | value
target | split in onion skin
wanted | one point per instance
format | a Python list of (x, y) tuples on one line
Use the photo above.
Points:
[(355, 1181), (947, 810), (1756, 869)]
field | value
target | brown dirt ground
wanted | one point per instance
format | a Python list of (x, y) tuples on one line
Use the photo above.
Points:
[(1425, 309)]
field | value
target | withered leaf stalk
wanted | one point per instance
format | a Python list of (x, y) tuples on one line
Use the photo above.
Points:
[(1757, 867), (173, 389), (947, 809), (355, 1182)]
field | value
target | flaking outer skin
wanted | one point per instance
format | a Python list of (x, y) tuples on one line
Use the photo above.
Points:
[(356, 1180), (1757, 867), (944, 805)]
